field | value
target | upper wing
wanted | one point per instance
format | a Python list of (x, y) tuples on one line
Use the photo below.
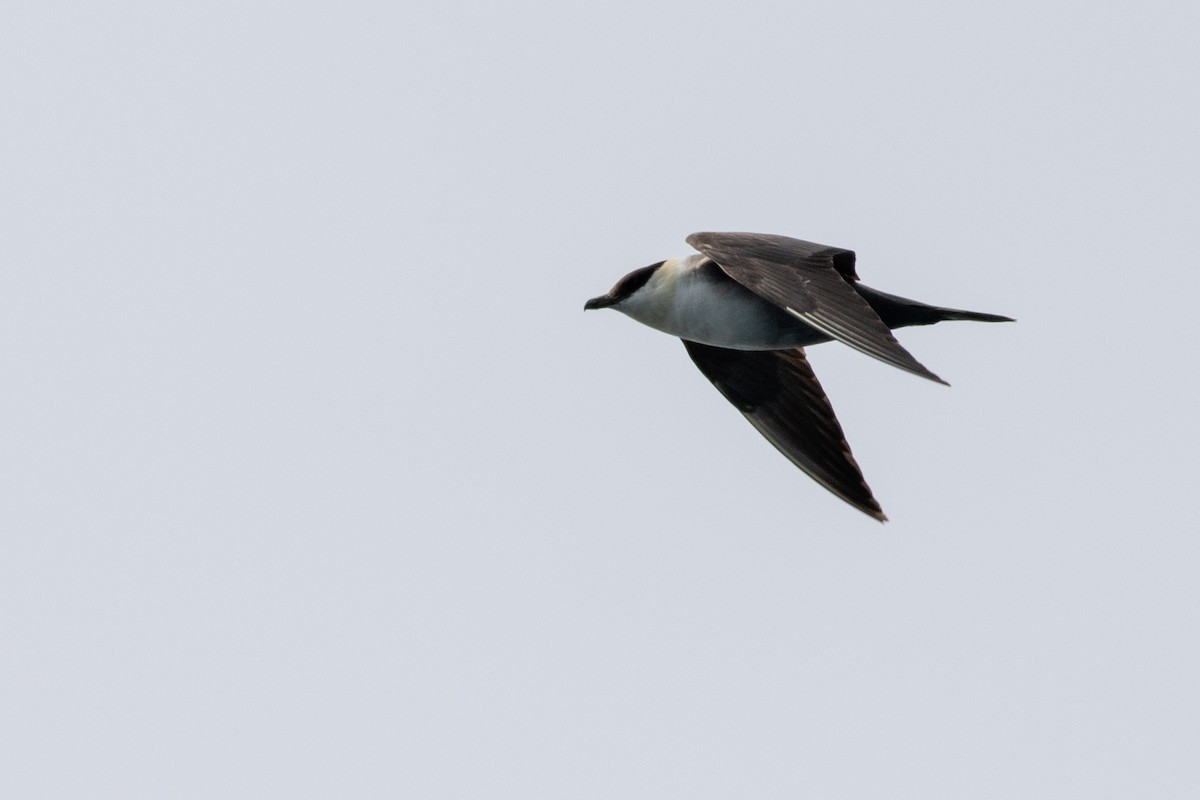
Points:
[(778, 393), (811, 281)]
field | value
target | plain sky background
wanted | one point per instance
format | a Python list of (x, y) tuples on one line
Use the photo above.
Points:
[(318, 482)]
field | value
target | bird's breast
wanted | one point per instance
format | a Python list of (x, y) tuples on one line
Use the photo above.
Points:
[(697, 301)]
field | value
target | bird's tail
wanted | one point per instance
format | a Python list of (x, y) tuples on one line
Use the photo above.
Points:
[(974, 316), (898, 312)]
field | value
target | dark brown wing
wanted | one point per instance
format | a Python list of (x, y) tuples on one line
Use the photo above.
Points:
[(811, 281), (777, 391)]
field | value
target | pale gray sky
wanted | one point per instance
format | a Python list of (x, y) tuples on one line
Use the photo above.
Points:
[(318, 481)]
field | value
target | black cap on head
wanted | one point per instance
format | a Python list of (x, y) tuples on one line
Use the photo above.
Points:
[(625, 287)]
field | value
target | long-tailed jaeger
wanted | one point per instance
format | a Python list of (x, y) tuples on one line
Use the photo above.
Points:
[(747, 305)]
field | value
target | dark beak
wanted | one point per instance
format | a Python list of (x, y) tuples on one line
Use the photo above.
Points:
[(604, 301)]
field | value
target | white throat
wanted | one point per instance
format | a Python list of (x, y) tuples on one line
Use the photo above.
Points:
[(694, 299)]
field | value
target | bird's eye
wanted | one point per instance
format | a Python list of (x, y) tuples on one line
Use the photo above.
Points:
[(634, 281)]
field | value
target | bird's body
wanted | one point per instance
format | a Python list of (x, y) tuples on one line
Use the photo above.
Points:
[(692, 298), (747, 304)]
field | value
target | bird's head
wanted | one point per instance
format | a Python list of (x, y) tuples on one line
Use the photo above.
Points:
[(625, 288)]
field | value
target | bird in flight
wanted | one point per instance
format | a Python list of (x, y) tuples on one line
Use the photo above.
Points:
[(747, 305)]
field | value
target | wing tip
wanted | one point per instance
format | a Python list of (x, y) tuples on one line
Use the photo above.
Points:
[(934, 378), (867, 505)]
